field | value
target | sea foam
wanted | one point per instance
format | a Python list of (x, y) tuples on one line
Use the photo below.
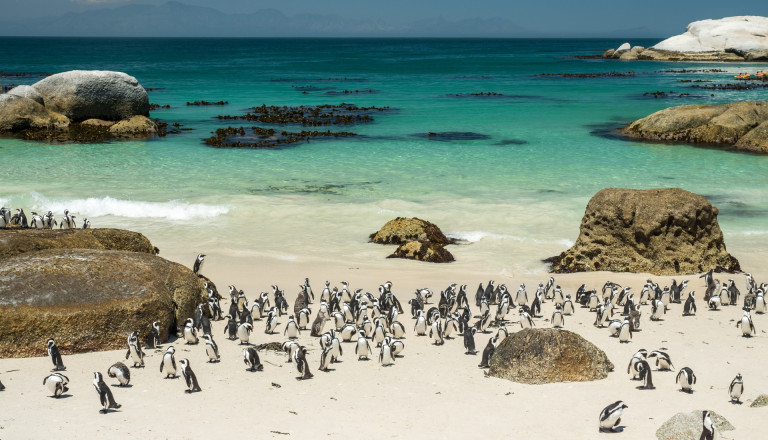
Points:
[(99, 207)]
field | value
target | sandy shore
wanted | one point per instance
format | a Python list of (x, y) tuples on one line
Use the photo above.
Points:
[(432, 391)]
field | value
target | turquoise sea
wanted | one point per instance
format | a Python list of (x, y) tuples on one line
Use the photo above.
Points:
[(514, 184)]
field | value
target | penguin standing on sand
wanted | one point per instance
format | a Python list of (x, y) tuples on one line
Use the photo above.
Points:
[(251, 359), (568, 308), (488, 353), (211, 349), (663, 361), (53, 352), (291, 328), (469, 340), (625, 333), (189, 377), (300, 358), (645, 374), (230, 328), (198, 265), (169, 363), (634, 363), (747, 327), (57, 384), (105, 394), (708, 428), (736, 388), (436, 332), (686, 379), (525, 319), (385, 355), (244, 333), (689, 308), (134, 350), (120, 371), (271, 321), (363, 348), (610, 416), (557, 317), (153, 337)]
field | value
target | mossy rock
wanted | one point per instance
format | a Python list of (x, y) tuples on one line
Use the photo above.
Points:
[(18, 241), (403, 229), (423, 251), (538, 356), (90, 299)]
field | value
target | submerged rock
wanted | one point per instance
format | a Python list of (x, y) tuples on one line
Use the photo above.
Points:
[(660, 231), (537, 356), (21, 241), (405, 229), (90, 299), (687, 426), (743, 125), (423, 251)]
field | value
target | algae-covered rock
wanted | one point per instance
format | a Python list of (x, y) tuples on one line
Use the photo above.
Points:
[(20, 241), (90, 299), (403, 229), (18, 113), (136, 125), (688, 426), (536, 356), (423, 251), (660, 231)]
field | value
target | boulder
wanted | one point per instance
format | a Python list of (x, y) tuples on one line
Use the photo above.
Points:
[(756, 55), (136, 125), (87, 94), (536, 356), (660, 231), (423, 251), (688, 426), (723, 124), (90, 299), (18, 241), (760, 401), (609, 53), (402, 230), (28, 92), (98, 123), (652, 54), (623, 47), (741, 33), (632, 54), (18, 113)]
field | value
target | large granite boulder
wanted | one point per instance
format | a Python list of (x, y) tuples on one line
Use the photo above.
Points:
[(742, 33), (536, 356), (404, 229), (688, 426), (743, 125), (90, 299), (86, 94), (21, 241), (423, 251), (660, 231), (27, 92), (18, 113)]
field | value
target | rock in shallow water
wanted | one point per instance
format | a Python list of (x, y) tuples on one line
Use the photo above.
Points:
[(423, 251), (18, 113), (659, 231), (537, 356), (405, 229)]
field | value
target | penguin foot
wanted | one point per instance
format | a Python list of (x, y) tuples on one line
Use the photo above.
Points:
[(103, 411), (188, 391)]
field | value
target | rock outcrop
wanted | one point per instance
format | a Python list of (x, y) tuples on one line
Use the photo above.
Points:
[(742, 125), (28, 92), (624, 52), (418, 240), (136, 125), (87, 94), (537, 356), (687, 426), (19, 241), (760, 401), (660, 231), (18, 113), (90, 299)]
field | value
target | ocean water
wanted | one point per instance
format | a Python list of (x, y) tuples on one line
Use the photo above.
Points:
[(515, 190)]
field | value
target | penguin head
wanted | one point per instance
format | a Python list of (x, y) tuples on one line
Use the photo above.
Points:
[(184, 363), (97, 376), (171, 350), (51, 342)]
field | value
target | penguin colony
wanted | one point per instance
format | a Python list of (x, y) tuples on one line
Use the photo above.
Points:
[(375, 323), (48, 221)]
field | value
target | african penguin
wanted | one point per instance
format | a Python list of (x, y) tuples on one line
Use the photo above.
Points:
[(120, 371), (211, 349), (134, 350), (663, 361), (153, 337), (469, 340), (363, 348), (487, 353), (189, 376), (736, 388), (105, 394), (300, 358), (53, 352), (386, 357), (645, 374), (190, 334), (708, 428), (169, 363), (610, 416), (198, 264), (56, 383), (634, 363), (557, 317), (244, 333), (747, 327), (686, 379), (251, 359), (690, 305)]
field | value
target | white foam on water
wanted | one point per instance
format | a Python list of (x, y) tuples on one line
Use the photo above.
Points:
[(475, 236), (109, 206)]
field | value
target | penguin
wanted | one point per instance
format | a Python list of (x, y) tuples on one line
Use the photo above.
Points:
[(251, 359), (469, 340), (450, 326), (245, 316), (198, 264), (153, 337), (601, 316), (666, 297), (657, 310), (487, 353), (211, 349), (614, 327), (593, 301), (634, 363), (736, 388), (398, 329), (557, 295), (134, 350), (37, 221), (568, 308), (634, 317), (271, 321), (53, 352), (348, 332), (379, 333), (747, 327), (396, 345), (190, 334), (557, 317), (610, 416), (105, 394), (230, 328), (169, 363), (290, 347), (300, 358), (5, 217), (663, 361), (525, 319), (302, 320), (385, 355), (22, 221), (189, 377), (121, 372), (309, 296), (689, 308), (244, 333), (645, 374), (57, 384), (708, 428), (521, 297), (484, 322), (49, 221), (363, 348), (714, 302), (326, 358), (760, 306), (421, 324), (291, 328), (327, 337), (501, 334), (336, 351), (436, 332), (625, 334), (86, 223), (686, 379), (733, 293)]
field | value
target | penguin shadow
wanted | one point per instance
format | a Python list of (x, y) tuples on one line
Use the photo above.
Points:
[(63, 396), (614, 430), (686, 391), (643, 388), (736, 402), (116, 385)]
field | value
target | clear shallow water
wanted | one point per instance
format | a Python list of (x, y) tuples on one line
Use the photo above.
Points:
[(518, 194)]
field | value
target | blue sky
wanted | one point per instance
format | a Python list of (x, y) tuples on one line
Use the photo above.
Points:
[(548, 17)]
